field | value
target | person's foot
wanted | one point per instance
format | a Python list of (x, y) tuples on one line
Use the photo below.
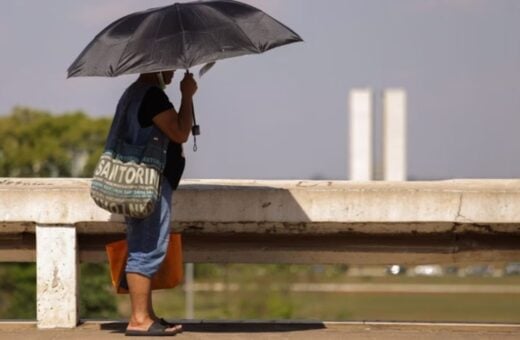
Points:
[(166, 323), (163, 322), (156, 328)]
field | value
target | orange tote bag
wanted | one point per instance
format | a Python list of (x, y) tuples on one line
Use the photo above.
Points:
[(170, 273)]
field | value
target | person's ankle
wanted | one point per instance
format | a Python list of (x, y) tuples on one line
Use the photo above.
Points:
[(140, 320)]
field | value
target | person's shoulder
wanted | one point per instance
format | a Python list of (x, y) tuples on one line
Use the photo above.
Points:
[(155, 91), (154, 94), (155, 100)]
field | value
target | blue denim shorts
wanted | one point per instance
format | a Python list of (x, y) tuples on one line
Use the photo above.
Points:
[(148, 238)]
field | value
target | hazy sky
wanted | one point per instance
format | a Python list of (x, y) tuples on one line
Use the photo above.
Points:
[(284, 114)]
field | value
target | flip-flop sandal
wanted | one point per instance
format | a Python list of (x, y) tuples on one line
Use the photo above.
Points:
[(178, 327), (155, 329)]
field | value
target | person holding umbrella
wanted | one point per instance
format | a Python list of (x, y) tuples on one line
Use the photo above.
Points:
[(148, 238), (177, 36)]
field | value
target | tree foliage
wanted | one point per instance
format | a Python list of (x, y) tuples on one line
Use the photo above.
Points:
[(18, 290), (36, 143)]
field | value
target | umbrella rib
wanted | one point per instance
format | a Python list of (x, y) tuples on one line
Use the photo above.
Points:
[(123, 52), (244, 33), (237, 26), (155, 36), (210, 33), (182, 32), (130, 38), (114, 72)]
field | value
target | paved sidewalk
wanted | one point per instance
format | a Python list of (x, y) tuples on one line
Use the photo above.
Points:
[(251, 330)]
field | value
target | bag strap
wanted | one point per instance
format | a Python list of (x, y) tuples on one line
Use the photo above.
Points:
[(123, 118)]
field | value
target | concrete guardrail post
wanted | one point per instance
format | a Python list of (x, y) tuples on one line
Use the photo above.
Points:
[(57, 274)]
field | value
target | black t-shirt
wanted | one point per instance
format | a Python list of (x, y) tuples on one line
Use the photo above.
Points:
[(154, 102)]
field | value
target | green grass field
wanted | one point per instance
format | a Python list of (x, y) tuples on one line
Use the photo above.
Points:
[(343, 307), (264, 292), (262, 301)]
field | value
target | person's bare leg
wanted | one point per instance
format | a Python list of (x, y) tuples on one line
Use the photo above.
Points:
[(142, 316), (139, 287)]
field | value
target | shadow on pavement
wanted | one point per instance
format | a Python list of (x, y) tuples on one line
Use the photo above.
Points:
[(230, 327)]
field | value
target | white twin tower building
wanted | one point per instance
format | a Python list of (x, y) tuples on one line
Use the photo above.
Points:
[(391, 165)]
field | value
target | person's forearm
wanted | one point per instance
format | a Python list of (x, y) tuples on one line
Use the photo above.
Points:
[(185, 117)]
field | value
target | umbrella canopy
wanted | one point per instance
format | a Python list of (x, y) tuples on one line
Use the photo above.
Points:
[(180, 36)]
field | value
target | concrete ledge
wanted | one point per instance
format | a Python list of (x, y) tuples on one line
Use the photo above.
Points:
[(263, 222), (67, 201), (289, 221)]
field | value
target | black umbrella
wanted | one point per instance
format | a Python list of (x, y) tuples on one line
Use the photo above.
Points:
[(180, 36)]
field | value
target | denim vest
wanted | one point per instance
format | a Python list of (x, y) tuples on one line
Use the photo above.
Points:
[(127, 138)]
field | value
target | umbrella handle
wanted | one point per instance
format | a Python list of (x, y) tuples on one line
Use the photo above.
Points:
[(195, 129)]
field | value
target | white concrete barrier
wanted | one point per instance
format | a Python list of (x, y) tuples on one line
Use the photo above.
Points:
[(67, 201), (54, 221)]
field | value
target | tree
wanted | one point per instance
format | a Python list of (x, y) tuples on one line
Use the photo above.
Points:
[(37, 143)]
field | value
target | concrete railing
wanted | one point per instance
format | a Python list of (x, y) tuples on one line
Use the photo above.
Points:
[(55, 223)]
